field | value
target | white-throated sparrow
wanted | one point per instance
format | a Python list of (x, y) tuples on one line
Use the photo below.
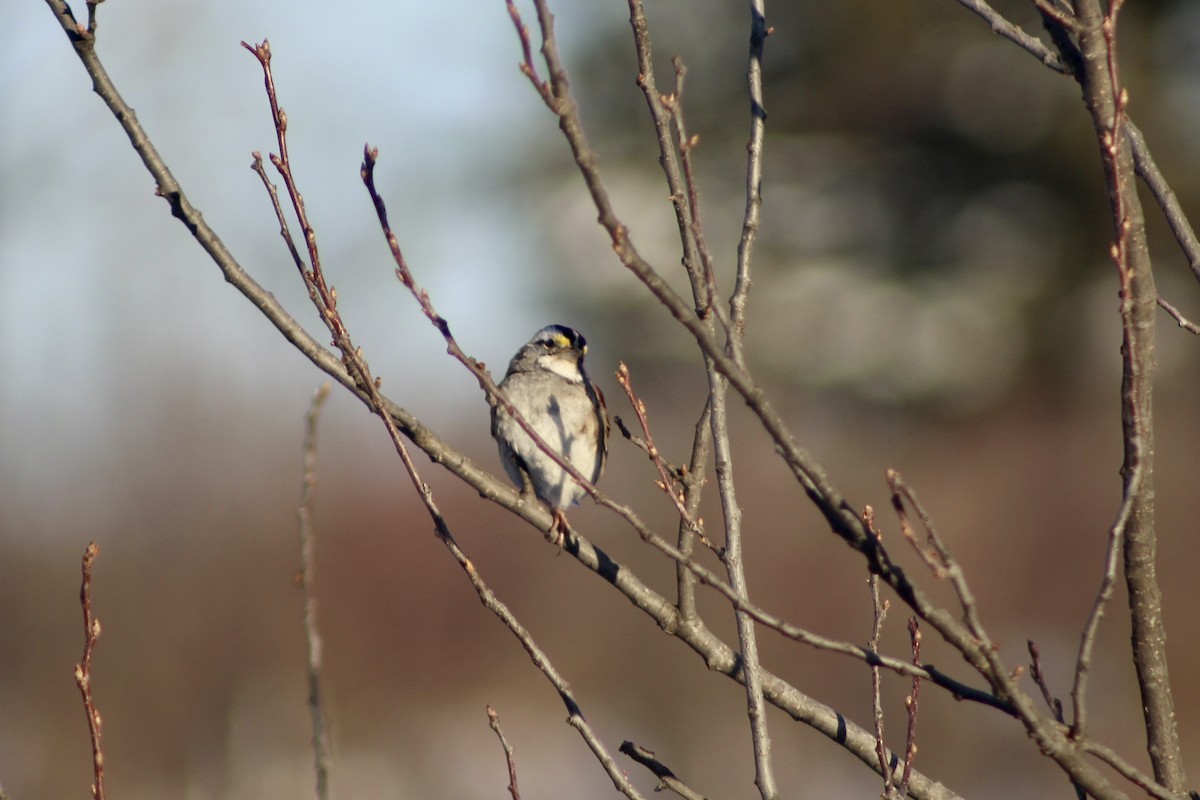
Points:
[(547, 384)]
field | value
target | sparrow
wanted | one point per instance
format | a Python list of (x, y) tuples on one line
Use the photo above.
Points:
[(548, 385)]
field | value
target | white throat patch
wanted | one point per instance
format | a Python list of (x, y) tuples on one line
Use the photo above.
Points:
[(561, 366)]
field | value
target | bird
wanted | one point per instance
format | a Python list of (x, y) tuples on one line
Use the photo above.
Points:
[(547, 384)]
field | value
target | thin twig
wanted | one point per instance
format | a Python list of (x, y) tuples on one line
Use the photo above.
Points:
[(693, 487), (939, 557), (1002, 27), (754, 161), (1177, 315), (575, 715), (1039, 679), (1087, 639), (312, 634), (685, 143), (1130, 772), (667, 478), (666, 778), (664, 108), (509, 758), (912, 705), (83, 670), (1053, 703), (322, 295), (1148, 169), (880, 608), (285, 231)]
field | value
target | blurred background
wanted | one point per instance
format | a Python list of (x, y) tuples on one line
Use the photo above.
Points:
[(932, 294)]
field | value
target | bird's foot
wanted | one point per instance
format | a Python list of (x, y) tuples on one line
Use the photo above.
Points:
[(559, 529)]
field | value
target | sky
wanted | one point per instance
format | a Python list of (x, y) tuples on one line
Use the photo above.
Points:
[(104, 297)]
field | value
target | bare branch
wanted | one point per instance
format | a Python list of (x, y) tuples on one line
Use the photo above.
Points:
[(1148, 169), (754, 159), (509, 758), (666, 475), (1087, 640), (1132, 773), (1107, 100), (665, 109), (575, 716), (83, 670), (667, 779), (1053, 703), (1001, 26), (305, 578), (685, 143), (1144, 162), (880, 609), (912, 706), (1177, 315), (693, 485), (938, 557)]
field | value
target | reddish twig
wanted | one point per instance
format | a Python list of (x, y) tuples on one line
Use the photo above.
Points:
[(322, 295), (880, 609), (667, 476), (509, 757), (685, 143), (83, 670), (911, 705)]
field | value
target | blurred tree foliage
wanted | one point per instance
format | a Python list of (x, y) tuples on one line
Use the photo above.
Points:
[(935, 228)]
